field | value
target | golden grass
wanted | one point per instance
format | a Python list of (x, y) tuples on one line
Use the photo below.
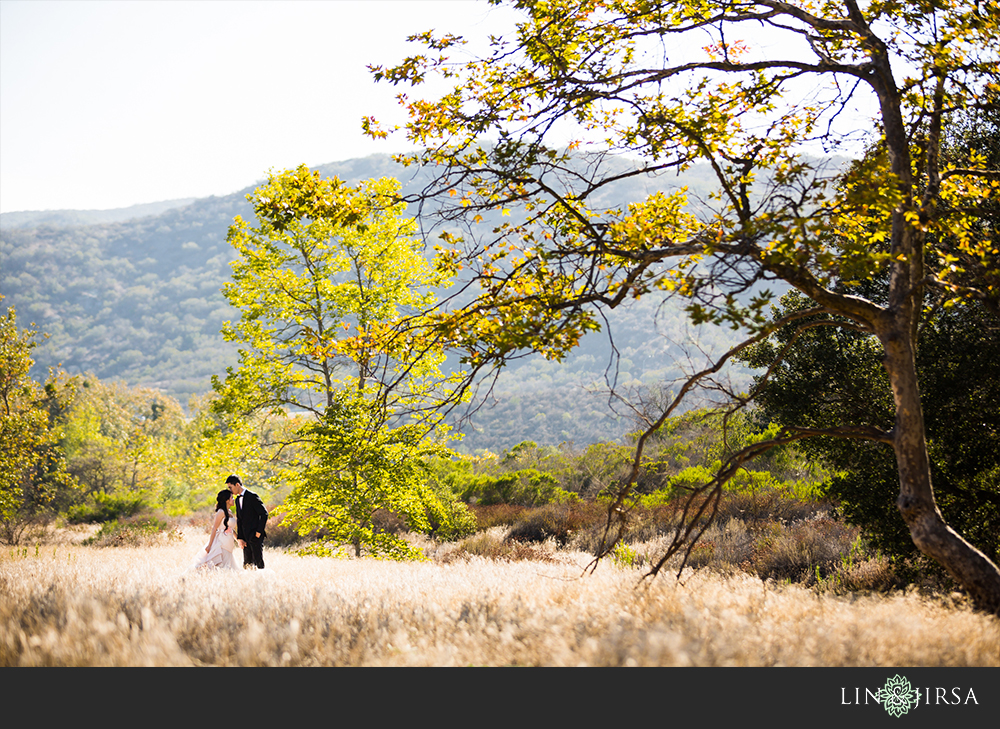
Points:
[(69, 605)]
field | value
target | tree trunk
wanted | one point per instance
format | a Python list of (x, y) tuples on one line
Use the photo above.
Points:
[(930, 533)]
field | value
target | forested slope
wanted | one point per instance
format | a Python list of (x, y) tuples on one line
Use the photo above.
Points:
[(135, 295)]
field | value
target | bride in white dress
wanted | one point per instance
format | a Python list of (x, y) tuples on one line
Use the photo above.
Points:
[(219, 550)]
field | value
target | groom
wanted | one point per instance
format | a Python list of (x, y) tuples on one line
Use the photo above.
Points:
[(251, 517)]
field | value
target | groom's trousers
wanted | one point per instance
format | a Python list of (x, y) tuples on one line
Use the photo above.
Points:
[(253, 554)]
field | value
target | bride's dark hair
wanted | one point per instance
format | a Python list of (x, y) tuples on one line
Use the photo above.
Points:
[(221, 501)]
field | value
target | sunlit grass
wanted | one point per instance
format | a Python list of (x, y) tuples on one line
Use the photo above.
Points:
[(68, 605)]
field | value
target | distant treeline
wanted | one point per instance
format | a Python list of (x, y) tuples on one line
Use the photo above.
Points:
[(135, 295)]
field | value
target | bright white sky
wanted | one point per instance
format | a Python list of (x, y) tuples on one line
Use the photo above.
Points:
[(110, 104)]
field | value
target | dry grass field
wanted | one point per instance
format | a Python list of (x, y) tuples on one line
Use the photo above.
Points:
[(73, 605)]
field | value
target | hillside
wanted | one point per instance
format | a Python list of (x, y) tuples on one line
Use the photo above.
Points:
[(68, 218), (135, 295)]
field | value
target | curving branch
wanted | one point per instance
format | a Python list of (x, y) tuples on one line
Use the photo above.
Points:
[(618, 506)]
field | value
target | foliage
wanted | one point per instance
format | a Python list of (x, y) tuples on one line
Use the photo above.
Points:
[(495, 515), (638, 77), (557, 521), (123, 440), (526, 487), (32, 466), (960, 385), (318, 284), (830, 376), (260, 447), (100, 507), (360, 468), (321, 283), (138, 531)]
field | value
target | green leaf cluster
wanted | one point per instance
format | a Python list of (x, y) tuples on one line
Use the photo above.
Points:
[(360, 467), (33, 471), (330, 283)]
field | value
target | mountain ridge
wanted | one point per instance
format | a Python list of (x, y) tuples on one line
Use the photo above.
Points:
[(138, 298)]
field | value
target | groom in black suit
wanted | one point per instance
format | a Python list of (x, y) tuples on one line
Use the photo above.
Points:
[(251, 518)]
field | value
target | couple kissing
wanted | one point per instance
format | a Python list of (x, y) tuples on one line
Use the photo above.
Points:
[(250, 521)]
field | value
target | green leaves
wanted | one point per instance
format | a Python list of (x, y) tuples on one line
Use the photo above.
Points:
[(362, 467), (331, 285), (320, 281), (31, 462)]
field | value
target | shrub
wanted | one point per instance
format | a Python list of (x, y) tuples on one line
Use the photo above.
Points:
[(525, 487), (626, 557), (492, 515), (554, 521), (102, 507), (494, 544), (770, 504), (797, 551), (141, 531), (459, 521), (283, 532)]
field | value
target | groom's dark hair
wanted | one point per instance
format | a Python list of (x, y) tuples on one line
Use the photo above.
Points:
[(234, 479)]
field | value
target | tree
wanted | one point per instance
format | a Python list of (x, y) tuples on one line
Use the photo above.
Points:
[(319, 283), (32, 466), (832, 376), (837, 376), (316, 284), (362, 470), (753, 90), (122, 441)]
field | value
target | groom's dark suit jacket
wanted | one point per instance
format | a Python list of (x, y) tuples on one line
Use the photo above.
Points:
[(251, 517)]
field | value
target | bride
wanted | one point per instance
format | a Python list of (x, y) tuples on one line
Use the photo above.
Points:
[(219, 550)]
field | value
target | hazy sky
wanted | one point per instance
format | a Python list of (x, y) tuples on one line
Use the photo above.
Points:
[(110, 104)]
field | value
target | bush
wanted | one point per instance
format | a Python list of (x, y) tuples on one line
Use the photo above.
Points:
[(283, 532), (132, 532), (505, 515), (101, 507), (525, 487), (797, 551), (493, 544), (555, 521), (458, 521)]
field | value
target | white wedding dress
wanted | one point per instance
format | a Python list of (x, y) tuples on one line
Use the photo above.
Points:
[(221, 553)]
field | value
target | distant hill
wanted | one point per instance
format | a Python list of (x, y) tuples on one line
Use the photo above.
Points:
[(69, 218), (135, 294)]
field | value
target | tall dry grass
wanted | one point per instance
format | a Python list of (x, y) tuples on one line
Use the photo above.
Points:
[(71, 605)]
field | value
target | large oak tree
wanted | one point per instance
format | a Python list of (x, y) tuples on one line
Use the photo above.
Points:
[(758, 92)]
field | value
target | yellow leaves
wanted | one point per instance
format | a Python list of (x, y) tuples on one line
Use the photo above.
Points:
[(914, 219), (658, 221), (370, 127)]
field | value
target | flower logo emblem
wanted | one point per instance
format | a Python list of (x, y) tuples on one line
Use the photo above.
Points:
[(897, 696)]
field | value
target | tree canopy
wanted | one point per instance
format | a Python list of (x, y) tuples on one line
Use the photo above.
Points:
[(319, 283), (32, 466), (759, 92), (315, 283)]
